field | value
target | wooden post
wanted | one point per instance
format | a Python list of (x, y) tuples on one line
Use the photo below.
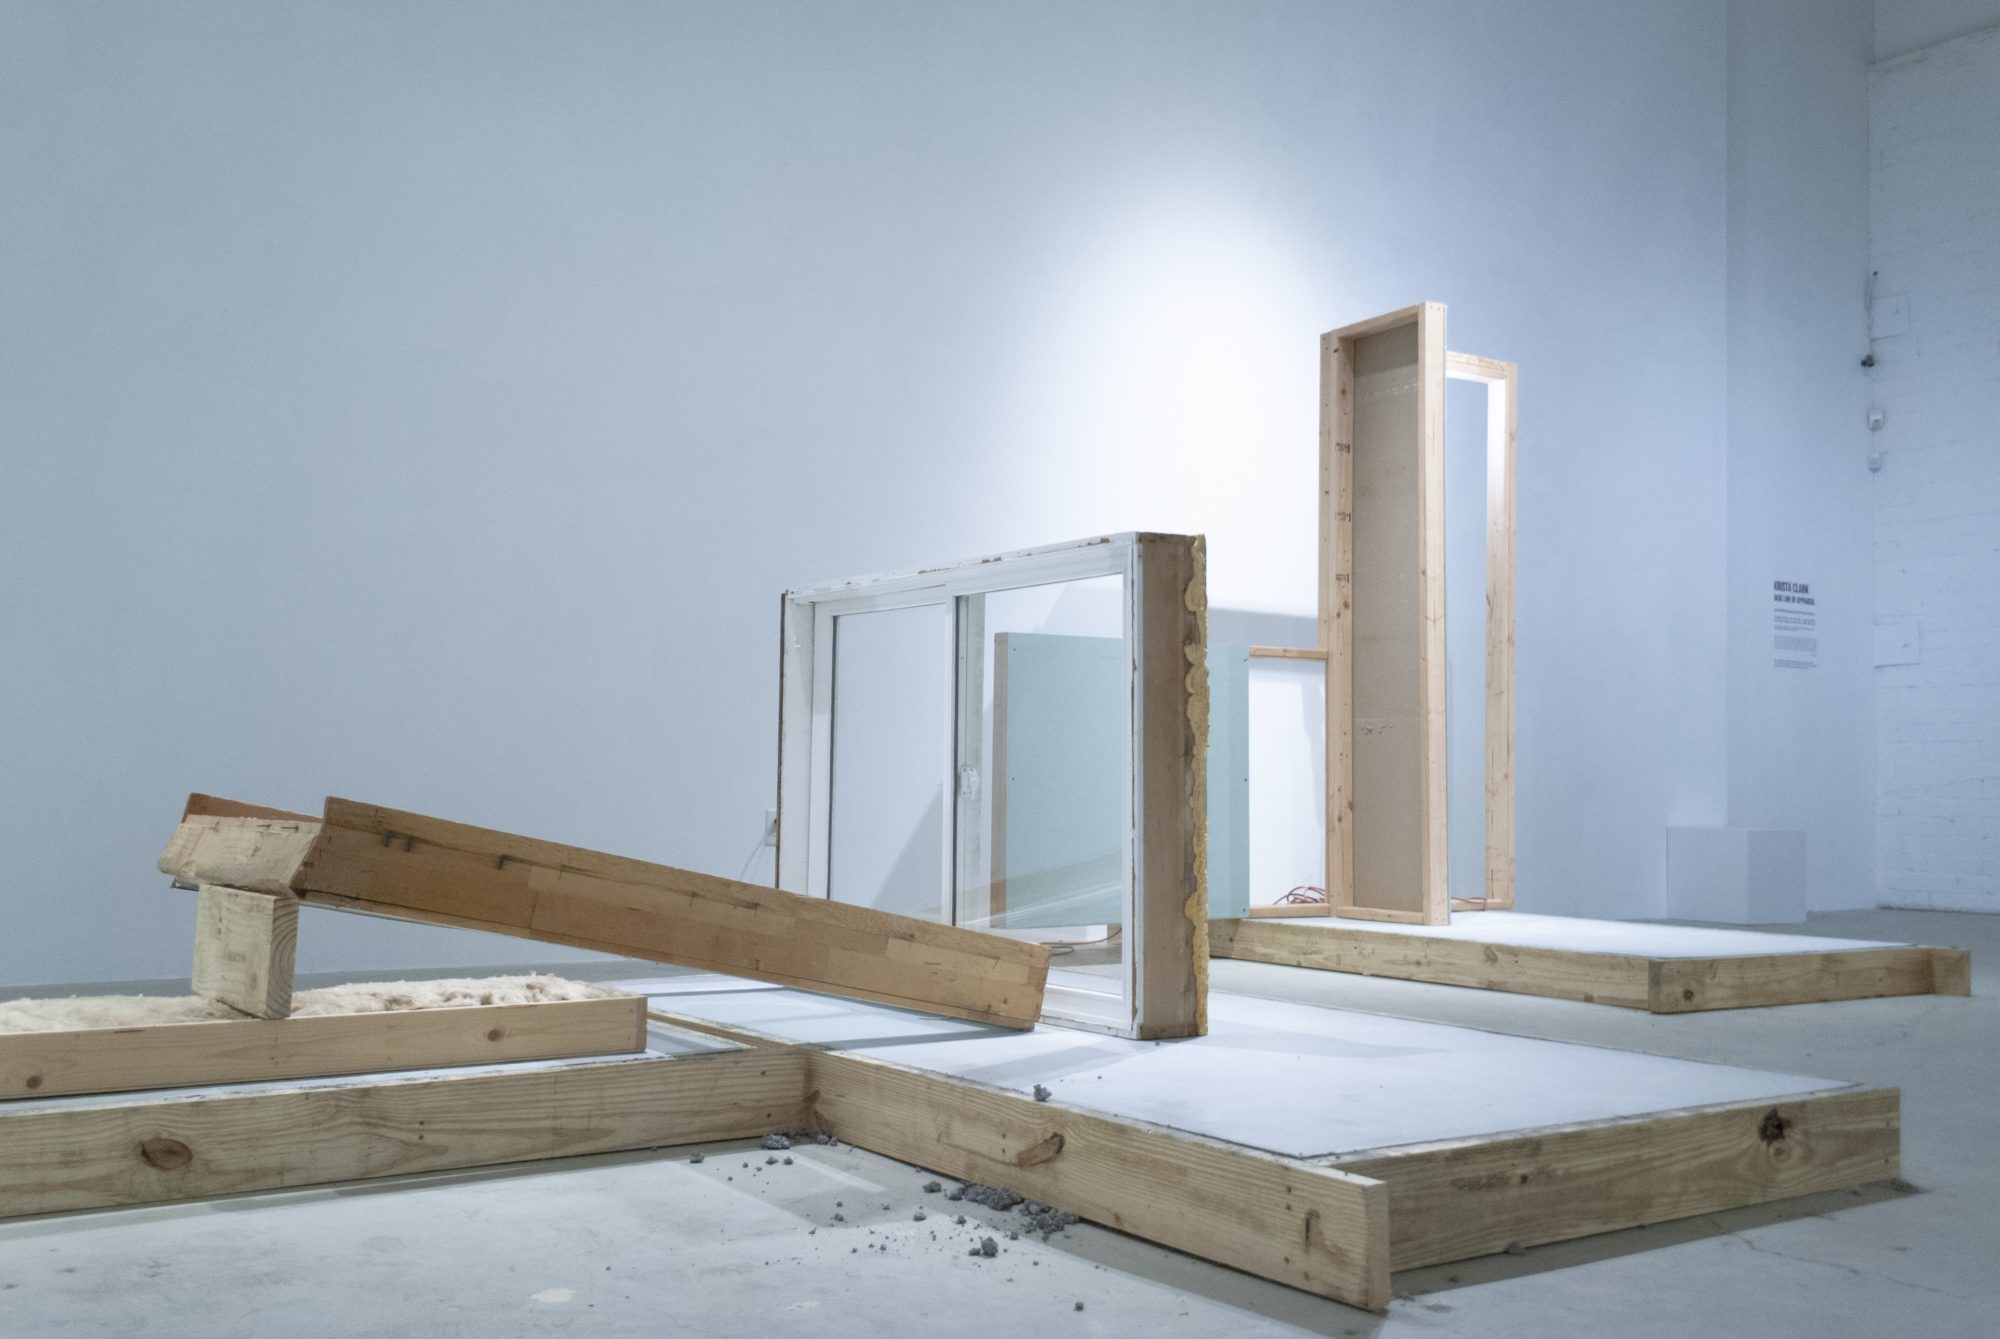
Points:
[(244, 947)]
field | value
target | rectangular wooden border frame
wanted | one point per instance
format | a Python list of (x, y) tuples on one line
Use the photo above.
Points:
[(1630, 981), (1165, 990), (248, 1050)]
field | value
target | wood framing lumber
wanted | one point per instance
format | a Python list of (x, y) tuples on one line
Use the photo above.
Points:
[(1631, 981), (1170, 774), (1471, 1197), (244, 948), (1597, 978), (364, 858), (180, 1055), (1264, 1214), (62, 1157), (1690, 985)]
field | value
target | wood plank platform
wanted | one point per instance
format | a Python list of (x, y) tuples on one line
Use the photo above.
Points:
[(1483, 1140), (1662, 969)]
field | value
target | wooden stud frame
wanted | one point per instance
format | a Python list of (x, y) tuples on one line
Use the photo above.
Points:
[(1424, 811), (1385, 719), (1164, 981)]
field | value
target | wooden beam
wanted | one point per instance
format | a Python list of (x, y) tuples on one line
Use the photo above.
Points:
[(1598, 978), (411, 867), (1286, 653), (1469, 1197), (1690, 985), (1631, 981), (1272, 1216), (244, 948), (180, 1055), (59, 1157), (1170, 777)]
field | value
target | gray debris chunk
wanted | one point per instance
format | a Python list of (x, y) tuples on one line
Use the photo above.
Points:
[(697, 1157), (933, 1187), (1046, 1220), (991, 1196), (777, 1141), (1042, 1094)]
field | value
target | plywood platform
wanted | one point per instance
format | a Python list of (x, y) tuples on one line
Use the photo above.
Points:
[(1483, 1140), (1635, 965)]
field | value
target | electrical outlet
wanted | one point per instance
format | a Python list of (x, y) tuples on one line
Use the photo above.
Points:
[(770, 827)]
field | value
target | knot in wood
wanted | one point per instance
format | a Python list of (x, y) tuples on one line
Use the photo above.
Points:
[(168, 1155)]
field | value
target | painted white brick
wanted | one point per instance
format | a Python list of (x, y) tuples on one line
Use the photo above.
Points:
[(1935, 235)]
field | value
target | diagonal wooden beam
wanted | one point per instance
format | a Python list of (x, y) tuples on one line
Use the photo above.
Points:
[(360, 857)]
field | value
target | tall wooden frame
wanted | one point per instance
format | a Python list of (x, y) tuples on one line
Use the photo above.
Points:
[(1165, 904), (1381, 597), (1399, 494)]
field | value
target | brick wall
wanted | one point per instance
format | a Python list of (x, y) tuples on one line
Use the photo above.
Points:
[(1935, 216)]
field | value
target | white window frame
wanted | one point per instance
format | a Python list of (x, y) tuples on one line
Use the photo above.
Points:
[(1164, 898)]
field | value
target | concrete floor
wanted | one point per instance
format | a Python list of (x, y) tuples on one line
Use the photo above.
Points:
[(657, 1245)]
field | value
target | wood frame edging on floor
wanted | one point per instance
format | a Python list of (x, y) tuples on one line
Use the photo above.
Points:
[(1631, 981), (1447, 1200), (1456, 1199), (251, 1050), (68, 1155), (1319, 1229)]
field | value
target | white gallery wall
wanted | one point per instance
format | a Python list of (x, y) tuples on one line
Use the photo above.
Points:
[(1936, 225), (1800, 695), (428, 407)]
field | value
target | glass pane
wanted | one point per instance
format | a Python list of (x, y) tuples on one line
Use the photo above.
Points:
[(892, 731), (1045, 798)]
